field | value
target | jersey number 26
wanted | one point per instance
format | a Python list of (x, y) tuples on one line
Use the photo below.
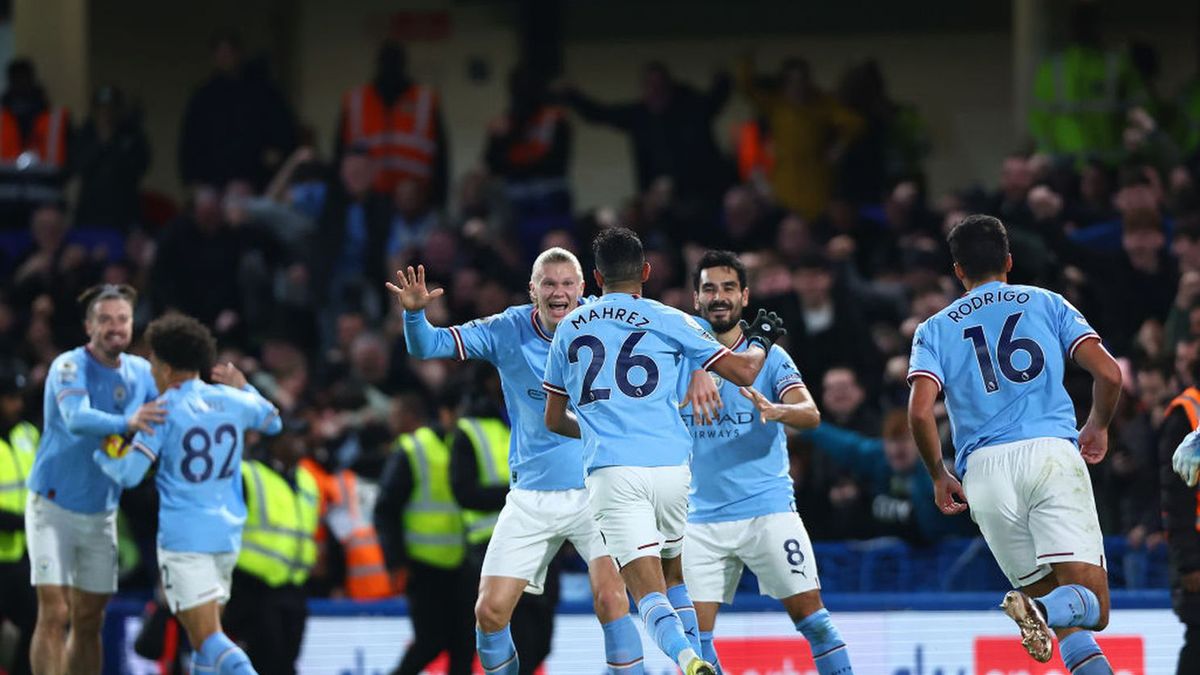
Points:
[(626, 361)]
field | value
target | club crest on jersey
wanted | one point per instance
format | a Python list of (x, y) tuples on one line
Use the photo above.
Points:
[(119, 393), (67, 371), (717, 379)]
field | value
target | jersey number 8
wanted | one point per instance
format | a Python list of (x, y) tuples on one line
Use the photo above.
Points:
[(197, 447), (1005, 349), (626, 361)]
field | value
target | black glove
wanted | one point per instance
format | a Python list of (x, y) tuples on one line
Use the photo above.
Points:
[(764, 330)]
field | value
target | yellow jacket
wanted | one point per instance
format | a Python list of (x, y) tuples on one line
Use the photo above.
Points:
[(802, 137)]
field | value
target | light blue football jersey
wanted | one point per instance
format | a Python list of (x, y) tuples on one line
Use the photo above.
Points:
[(84, 402), (515, 342), (999, 353), (740, 464), (199, 448), (618, 361)]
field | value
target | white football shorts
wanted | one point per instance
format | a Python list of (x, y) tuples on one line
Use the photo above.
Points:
[(192, 579), (1034, 505), (72, 549), (641, 510), (775, 547), (532, 527)]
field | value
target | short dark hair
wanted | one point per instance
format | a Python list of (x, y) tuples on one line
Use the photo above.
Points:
[(619, 255), (182, 343), (88, 299), (716, 258), (979, 244)]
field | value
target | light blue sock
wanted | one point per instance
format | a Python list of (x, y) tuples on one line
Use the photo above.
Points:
[(497, 653), (662, 623), (1082, 655), (623, 647), (1071, 605), (829, 652), (709, 650), (681, 602), (222, 656)]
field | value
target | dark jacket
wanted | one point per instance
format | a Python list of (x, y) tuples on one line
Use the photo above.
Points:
[(1179, 516), (109, 173), (229, 125), (330, 239), (196, 271), (677, 143)]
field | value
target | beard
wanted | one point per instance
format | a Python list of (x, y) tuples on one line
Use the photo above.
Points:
[(722, 325)]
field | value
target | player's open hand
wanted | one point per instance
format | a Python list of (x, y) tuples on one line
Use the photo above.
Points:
[(703, 396), (148, 414), (410, 289), (949, 495), (1186, 460), (766, 328), (228, 374), (1093, 443), (767, 411)]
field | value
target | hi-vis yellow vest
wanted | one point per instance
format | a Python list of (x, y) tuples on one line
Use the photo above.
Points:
[(489, 437), (16, 460), (279, 539), (1079, 101), (433, 522)]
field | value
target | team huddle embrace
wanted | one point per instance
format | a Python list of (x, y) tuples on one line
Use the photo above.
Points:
[(624, 457)]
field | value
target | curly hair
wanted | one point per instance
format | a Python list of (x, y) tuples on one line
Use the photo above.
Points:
[(182, 343)]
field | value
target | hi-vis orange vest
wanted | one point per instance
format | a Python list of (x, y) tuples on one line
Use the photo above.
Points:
[(754, 151), (46, 147), (401, 137), (366, 575), (536, 137), (1189, 400)]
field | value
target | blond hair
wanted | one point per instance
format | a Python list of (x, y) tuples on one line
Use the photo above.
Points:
[(553, 255)]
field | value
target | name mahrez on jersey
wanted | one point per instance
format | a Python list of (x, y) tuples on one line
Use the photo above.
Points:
[(966, 307), (630, 317)]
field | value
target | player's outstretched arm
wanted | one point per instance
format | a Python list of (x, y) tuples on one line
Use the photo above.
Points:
[(797, 410), (1106, 391), (741, 368), (558, 419), (75, 405), (423, 339), (947, 492)]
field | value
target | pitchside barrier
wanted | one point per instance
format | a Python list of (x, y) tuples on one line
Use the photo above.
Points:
[(923, 630)]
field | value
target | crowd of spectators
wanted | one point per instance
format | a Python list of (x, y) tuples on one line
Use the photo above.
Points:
[(284, 253)]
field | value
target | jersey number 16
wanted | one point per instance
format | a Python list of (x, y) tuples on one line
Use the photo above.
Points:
[(1005, 349)]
